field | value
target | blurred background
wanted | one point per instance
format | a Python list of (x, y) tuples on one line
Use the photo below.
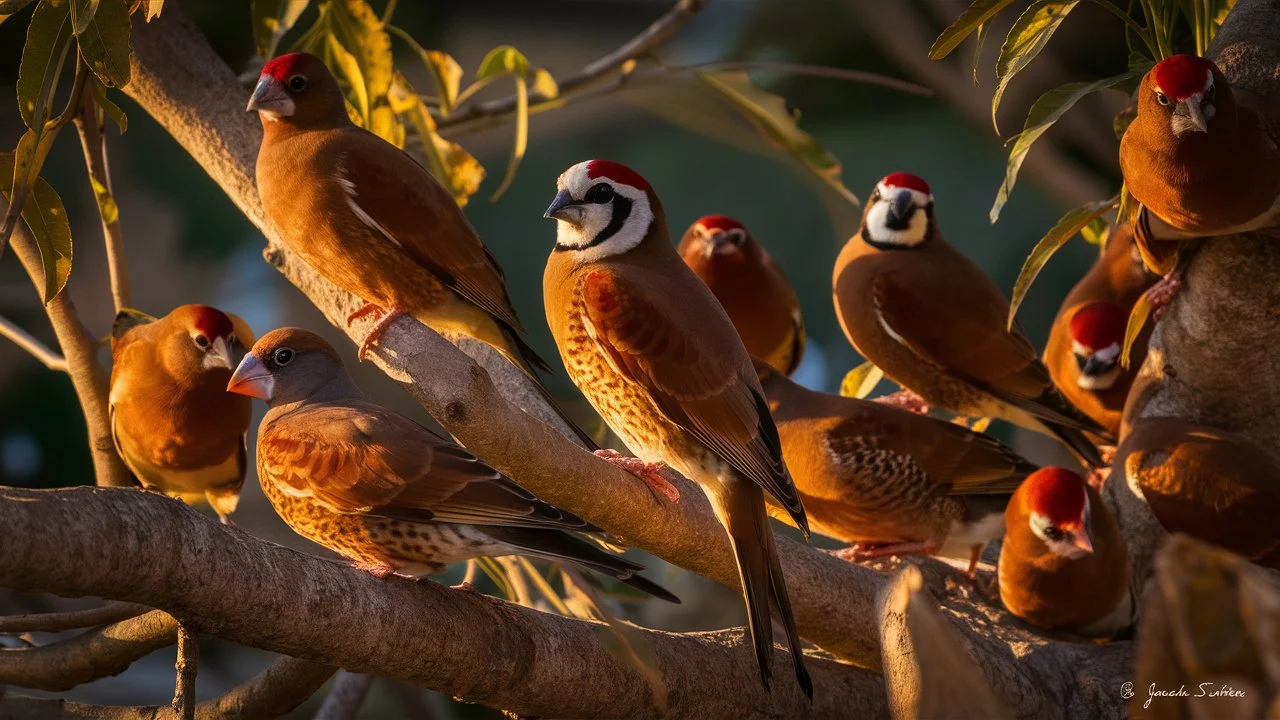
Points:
[(185, 241)]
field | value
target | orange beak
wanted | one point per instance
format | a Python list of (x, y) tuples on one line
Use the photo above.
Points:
[(252, 379)]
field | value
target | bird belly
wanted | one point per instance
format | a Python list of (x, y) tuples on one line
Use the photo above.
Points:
[(187, 481), (963, 536)]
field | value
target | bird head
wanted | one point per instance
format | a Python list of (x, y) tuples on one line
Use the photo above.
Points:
[(717, 237), (1058, 506), (899, 212), (1097, 336), (601, 209), (288, 365), (300, 88), (201, 337), (1187, 92)]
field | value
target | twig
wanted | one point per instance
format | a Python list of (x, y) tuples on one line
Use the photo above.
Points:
[(89, 656), (57, 622), (184, 690), (95, 159), (38, 350), (857, 76), (345, 697)]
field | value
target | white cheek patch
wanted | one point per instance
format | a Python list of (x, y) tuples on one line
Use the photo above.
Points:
[(597, 217), (878, 219), (1099, 382)]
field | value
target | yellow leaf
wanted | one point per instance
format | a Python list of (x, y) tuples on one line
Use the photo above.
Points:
[(974, 18), (1028, 36), (106, 203), (522, 137), (1058, 235), (861, 381), (545, 85), (272, 20), (981, 424), (1137, 319), (503, 60), (452, 165), (360, 33), (47, 218)]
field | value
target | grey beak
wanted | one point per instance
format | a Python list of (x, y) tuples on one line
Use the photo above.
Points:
[(900, 210), (564, 208), (270, 96), (1094, 366), (1196, 114), (219, 354)]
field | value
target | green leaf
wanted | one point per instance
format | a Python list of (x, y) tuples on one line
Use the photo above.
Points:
[(82, 12), (973, 18), (348, 68), (445, 71), (502, 60), (861, 381), (361, 33), (104, 43), (1028, 36), (107, 207), (48, 38), (1137, 319), (977, 49), (112, 110), (272, 20), (1043, 114), (1096, 232), (1068, 225), (47, 218), (769, 114)]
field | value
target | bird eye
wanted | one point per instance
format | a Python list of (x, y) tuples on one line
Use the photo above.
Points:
[(202, 342), (282, 357), (1210, 93), (1055, 534), (875, 194), (599, 193), (298, 83), (1162, 98)]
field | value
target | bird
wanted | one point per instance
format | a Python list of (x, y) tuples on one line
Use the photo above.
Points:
[(654, 352), (374, 222), (1063, 563), (1087, 337), (937, 325), (753, 291), (173, 423), (1209, 483), (383, 491), (888, 480)]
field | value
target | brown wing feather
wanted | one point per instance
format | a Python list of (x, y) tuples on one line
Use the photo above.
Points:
[(718, 403)]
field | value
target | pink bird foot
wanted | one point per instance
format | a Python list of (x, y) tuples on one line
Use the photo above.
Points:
[(862, 552), (226, 520), (1162, 293), (1098, 476), (905, 400), (649, 473), (378, 570), (382, 317)]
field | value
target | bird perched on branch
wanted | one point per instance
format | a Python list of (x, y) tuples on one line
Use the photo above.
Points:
[(1085, 343), (654, 352), (1063, 564), (891, 481), (937, 325), (175, 426), (381, 490), (1212, 484), (758, 299), (373, 221)]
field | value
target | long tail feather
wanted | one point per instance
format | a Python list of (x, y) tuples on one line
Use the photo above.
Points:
[(559, 545)]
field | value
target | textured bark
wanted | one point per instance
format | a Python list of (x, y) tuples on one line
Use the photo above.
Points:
[(97, 654)]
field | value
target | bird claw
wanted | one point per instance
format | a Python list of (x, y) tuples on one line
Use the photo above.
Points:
[(862, 552), (225, 520), (1162, 293), (905, 400), (464, 586), (983, 587), (649, 473), (382, 318), (378, 570)]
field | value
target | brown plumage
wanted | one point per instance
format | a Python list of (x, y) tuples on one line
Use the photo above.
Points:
[(372, 220), (753, 291), (1083, 352), (876, 475), (174, 424), (1063, 564), (1208, 483), (380, 489), (651, 348), (936, 324)]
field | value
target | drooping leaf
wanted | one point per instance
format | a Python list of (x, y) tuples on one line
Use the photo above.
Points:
[(107, 207), (973, 18), (104, 43), (361, 33), (545, 85), (769, 114), (1137, 319), (82, 12), (1028, 36), (503, 60), (47, 218), (446, 73), (152, 8), (1128, 206), (1046, 111), (500, 62), (348, 68), (112, 110), (861, 381), (272, 20), (48, 38), (1068, 225), (981, 42)]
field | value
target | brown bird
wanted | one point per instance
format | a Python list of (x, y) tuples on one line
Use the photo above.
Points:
[(373, 221), (754, 293), (936, 324), (381, 490), (1063, 564), (653, 351), (1083, 352), (888, 480), (174, 424), (1208, 483)]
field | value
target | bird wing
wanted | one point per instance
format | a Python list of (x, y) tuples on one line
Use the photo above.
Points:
[(390, 192), (363, 458), (684, 374)]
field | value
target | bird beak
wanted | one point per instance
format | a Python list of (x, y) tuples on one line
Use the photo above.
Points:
[(1195, 113), (218, 355), (564, 208), (900, 210), (252, 379), (1094, 366), (270, 98), (720, 242), (1080, 539)]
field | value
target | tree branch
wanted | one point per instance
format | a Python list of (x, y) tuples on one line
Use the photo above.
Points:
[(185, 667), (95, 159), (58, 622), (96, 654), (345, 697), (37, 349)]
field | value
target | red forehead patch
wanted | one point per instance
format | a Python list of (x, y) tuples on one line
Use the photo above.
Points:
[(1181, 76), (285, 66), (1056, 493), (719, 222), (907, 180), (1098, 325), (211, 322), (616, 172)]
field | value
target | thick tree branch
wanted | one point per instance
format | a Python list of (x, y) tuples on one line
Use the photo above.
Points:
[(75, 619), (97, 654), (37, 349)]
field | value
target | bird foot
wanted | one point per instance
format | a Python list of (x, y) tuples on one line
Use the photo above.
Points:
[(378, 570), (649, 473), (862, 552), (905, 400), (1162, 293), (464, 586), (226, 520), (382, 318), (984, 587)]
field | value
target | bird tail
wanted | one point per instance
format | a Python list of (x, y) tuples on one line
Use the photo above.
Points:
[(1077, 442), (559, 545), (760, 571)]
